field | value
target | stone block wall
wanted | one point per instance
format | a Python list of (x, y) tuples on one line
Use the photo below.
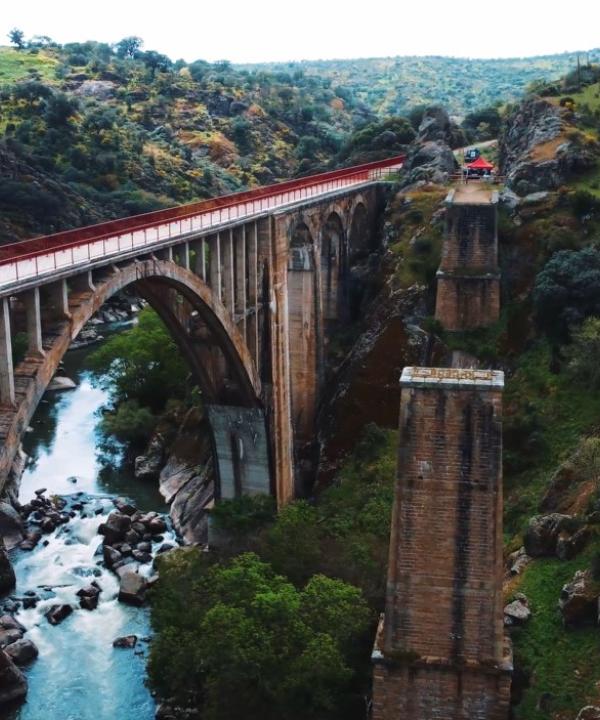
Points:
[(471, 238), (430, 692), (467, 301), (442, 653)]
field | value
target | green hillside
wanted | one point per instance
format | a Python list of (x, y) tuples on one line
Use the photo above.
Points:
[(394, 85)]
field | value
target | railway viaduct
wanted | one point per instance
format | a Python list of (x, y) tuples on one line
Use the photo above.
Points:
[(250, 286)]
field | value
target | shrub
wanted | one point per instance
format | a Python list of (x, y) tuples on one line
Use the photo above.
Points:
[(239, 641), (567, 291), (584, 352)]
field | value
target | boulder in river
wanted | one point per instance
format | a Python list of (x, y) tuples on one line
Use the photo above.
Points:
[(88, 596), (8, 622), (60, 383), (32, 538), (9, 636), (149, 465), (127, 641), (57, 613), (115, 527), (133, 588), (13, 684), (11, 525), (22, 652), (111, 556), (124, 507), (7, 574)]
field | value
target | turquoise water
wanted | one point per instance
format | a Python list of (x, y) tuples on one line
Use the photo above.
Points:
[(78, 674)]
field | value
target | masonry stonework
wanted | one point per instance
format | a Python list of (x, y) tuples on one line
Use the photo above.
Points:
[(440, 652), (468, 281)]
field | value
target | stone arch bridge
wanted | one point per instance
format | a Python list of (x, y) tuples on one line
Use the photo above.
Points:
[(250, 286)]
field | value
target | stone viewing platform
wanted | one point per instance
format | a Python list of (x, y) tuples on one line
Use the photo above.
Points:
[(451, 377), (475, 192)]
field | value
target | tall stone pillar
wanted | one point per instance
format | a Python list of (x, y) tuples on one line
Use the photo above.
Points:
[(440, 653), (7, 377), (468, 280)]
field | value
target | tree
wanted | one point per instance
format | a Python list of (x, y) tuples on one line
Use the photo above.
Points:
[(142, 364), (129, 47), (17, 38), (567, 291), (239, 641), (59, 108)]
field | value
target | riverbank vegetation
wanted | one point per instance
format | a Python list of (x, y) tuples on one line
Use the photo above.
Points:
[(290, 595), (144, 373)]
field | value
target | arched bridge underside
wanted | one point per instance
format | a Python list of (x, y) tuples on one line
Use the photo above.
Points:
[(251, 299)]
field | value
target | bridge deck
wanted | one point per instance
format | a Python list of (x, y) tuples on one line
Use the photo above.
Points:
[(43, 256)]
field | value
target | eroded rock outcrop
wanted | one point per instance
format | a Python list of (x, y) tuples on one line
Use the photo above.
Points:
[(540, 149), (13, 684), (7, 574), (578, 602), (542, 533), (429, 157)]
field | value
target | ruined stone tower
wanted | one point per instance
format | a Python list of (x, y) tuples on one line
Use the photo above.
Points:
[(468, 281), (440, 652)]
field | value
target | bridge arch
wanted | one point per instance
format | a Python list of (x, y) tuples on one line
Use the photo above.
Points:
[(207, 337), (333, 252), (359, 235)]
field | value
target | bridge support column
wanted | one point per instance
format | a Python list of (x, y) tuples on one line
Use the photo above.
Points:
[(55, 305), (197, 255), (184, 255), (34, 321), (281, 425), (240, 280), (228, 272), (7, 378), (440, 650), (241, 449), (215, 265), (252, 322), (82, 282)]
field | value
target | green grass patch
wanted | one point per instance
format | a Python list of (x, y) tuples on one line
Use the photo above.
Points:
[(545, 416), (417, 246), (17, 65), (563, 662)]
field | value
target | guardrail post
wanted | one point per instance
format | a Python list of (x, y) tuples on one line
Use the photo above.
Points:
[(34, 321), (7, 377)]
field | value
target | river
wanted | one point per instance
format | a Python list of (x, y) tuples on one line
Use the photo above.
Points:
[(78, 674)]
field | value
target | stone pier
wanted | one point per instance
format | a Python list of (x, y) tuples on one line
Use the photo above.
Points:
[(440, 652), (468, 280)]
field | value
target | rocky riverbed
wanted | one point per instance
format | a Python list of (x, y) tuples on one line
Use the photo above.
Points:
[(82, 558)]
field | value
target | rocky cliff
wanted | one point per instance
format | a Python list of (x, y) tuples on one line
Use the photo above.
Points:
[(542, 149)]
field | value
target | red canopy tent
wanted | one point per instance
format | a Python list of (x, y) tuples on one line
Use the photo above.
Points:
[(480, 164)]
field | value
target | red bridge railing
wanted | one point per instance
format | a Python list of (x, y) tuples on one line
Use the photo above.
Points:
[(40, 255)]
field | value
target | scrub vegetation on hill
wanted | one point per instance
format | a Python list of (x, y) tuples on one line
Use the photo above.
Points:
[(90, 131)]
